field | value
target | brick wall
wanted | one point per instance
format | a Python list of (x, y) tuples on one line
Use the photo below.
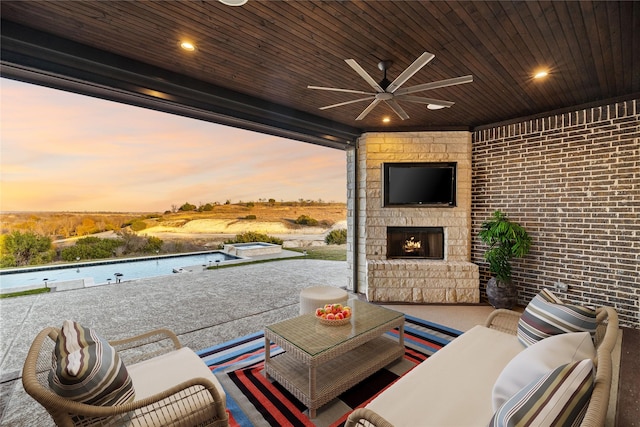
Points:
[(573, 181)]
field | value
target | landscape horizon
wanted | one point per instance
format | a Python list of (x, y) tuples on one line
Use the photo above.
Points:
[(280, 217), (37, 238)]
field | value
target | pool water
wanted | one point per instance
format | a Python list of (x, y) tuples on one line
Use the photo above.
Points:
[(109, 271)]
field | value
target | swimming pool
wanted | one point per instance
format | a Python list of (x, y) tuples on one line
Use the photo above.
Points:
[(110, 271)]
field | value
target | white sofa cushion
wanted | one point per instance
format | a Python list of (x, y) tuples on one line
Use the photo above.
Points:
[(456, 382), (540, 359)]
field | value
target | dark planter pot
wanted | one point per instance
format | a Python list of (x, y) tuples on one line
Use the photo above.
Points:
[(504, 296)]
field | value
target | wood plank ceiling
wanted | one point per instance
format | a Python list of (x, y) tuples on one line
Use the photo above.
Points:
[(265, 53)]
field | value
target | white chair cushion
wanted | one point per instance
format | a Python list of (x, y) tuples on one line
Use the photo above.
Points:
[(175, 367)]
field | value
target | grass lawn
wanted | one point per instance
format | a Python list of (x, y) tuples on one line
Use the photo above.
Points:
[(329, 252)]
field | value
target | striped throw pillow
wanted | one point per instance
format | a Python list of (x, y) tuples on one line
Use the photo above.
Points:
[(559, 399), (87, 369), (546, 315)]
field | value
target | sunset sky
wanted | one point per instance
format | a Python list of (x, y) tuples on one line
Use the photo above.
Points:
[(65, 152)]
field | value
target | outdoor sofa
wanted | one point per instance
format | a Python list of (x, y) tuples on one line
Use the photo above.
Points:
[(518, 368), (147, 380)]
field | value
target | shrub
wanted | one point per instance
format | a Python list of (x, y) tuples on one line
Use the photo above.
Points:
[(306, 220), (154, 244), (91, 248), (336, 237), (138, 225), (250, 217), (252, 236), (25, 249)]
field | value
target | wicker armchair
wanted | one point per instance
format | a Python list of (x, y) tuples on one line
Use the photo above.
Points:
[(195, 401)]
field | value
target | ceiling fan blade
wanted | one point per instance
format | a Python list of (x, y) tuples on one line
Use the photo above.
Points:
[(410, 71), (335, 89), (368, 109), (397, 109), (435, 85), (358, 69), (423, 100), (347, 103)]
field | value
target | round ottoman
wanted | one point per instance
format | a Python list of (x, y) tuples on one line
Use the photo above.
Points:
[(317, 296)]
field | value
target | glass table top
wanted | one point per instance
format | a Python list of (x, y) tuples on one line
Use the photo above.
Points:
[(309, 335)]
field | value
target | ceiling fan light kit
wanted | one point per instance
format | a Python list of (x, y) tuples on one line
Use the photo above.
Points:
[(233, 2), (390, 92)]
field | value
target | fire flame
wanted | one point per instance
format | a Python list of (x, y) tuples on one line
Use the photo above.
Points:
[(411, 245)]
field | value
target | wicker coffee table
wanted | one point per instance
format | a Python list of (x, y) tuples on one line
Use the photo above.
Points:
[(319, 362)]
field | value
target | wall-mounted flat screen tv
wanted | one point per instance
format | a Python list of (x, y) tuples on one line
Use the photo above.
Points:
[(419, 184)]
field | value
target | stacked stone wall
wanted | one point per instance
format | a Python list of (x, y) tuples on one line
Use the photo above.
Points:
[(388, 280)]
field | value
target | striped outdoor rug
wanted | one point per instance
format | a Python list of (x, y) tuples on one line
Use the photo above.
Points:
[(252, 400)]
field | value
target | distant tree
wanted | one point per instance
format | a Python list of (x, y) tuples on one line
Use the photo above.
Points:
[(174, 208), (228, 202), (187, 207), (25, 249), (250, 204), (272, 202), (88, 226), (208, 207)]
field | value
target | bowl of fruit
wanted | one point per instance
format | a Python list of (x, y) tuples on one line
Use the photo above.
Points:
[(334, 314)]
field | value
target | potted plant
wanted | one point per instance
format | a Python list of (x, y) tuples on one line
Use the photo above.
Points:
[(506, 240)]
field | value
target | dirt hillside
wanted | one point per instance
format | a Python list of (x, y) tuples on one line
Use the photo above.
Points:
[(226, 221)]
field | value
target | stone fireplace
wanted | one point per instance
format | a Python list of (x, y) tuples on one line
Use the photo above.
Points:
[(416, 254), (415, 243)]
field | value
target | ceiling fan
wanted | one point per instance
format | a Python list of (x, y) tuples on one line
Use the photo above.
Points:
[(391, 93)]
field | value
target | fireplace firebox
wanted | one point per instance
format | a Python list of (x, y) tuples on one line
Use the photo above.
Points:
[(415, 242)]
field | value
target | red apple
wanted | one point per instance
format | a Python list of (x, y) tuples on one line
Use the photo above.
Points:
[(319, 311), (339, 316), (331, 316)]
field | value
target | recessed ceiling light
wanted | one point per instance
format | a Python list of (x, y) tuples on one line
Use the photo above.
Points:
[(386, 120), (188, 46), (435, 106), (540, 74)]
